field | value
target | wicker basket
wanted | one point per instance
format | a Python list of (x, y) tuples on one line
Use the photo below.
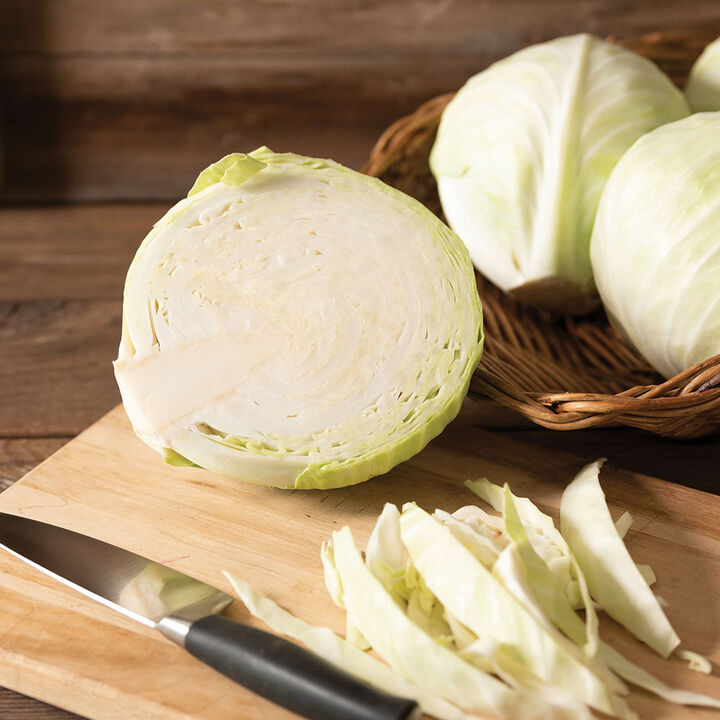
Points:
[(561, 372)]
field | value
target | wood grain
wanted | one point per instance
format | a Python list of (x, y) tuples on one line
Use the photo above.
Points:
[(21, 707), (70, 253), (74, 653), (20, 455), (105, 101), (55, 365), (112, 128), (318, 27)]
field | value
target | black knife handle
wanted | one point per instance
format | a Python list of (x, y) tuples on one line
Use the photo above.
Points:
[(289, 675)]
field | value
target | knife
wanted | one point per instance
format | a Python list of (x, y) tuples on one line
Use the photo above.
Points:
[(188, 612)]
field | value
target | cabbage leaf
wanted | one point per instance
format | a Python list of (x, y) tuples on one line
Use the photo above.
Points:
[(478, 600), (613, 578), (703, 85)]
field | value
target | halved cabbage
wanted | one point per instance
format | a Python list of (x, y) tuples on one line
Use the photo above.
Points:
[(703, 85), (656, 244), (298, 324), (523, 152)]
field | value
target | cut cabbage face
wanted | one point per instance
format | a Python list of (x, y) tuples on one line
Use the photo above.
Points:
[(523, 152), (656, 244), (298, 324), (703, 85)]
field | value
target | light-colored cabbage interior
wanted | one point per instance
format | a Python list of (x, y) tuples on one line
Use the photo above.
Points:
[(306, 316)]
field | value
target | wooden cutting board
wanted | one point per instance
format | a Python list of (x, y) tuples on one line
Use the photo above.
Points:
[(69, 651)]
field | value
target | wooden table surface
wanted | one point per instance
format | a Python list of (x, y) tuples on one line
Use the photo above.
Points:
[(121, 104)]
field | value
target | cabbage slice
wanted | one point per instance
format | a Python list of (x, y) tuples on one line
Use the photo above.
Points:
[(703, 85), (659, 211), (298, 324), (545, 539), (696, 662), (384, 551), (413, 653), (614, 579), (325, 643), (550, 599), (542, 581), (523, 153), (478, 600)]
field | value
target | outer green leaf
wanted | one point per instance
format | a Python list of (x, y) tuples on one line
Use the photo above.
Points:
[(232, 170)]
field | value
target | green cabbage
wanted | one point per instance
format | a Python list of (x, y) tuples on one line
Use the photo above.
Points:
[(703, 85), (656, 244), (295, 323), (523, 152)]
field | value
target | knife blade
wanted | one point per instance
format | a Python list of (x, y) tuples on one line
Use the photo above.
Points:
[(188, 612)]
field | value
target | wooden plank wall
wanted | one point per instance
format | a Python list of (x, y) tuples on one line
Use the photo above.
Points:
[(105, 100)]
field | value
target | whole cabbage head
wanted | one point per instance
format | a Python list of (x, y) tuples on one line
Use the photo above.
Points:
[(703, 85), (523, 152), (656, 245)]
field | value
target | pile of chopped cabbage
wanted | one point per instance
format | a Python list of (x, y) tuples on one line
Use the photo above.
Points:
[(477, 613), (703, 85)]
